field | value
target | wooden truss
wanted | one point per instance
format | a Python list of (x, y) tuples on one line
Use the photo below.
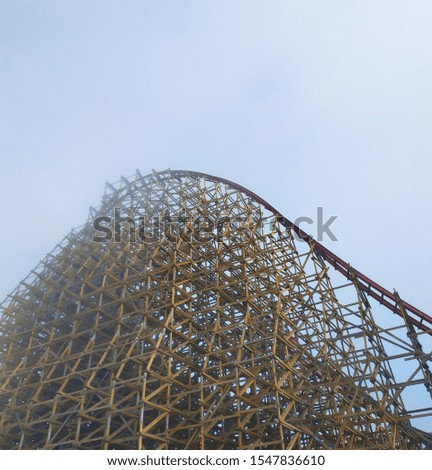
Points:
[(204, 324)]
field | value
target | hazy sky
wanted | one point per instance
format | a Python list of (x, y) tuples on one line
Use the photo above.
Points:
[(307, 103)]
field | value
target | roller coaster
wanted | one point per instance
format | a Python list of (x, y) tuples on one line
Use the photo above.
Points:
[(203, 318)]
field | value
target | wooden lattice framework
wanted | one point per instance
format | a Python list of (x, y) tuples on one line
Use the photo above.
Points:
[(215, 327)]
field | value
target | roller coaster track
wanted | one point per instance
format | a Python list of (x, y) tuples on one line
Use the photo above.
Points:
[(386, 298), (168, 340)]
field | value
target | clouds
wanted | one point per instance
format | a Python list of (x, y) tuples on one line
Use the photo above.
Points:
[(306, 103)]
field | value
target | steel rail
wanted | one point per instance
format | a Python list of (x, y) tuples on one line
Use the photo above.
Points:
[(418, 318)]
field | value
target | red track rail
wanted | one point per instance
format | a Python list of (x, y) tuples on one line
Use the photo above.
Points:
[(367, 285)]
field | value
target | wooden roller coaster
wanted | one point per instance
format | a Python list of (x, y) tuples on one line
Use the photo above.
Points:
[(187, 313)]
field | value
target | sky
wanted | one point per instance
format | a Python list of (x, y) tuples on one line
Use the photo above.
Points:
[(309, 104)]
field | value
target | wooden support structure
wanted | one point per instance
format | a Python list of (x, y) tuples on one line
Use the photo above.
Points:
[(205, 323)]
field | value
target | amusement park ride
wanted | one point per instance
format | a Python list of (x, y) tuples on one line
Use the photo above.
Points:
[(209, 321)]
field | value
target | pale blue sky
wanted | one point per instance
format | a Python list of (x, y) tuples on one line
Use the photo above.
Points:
[(307, 103)]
